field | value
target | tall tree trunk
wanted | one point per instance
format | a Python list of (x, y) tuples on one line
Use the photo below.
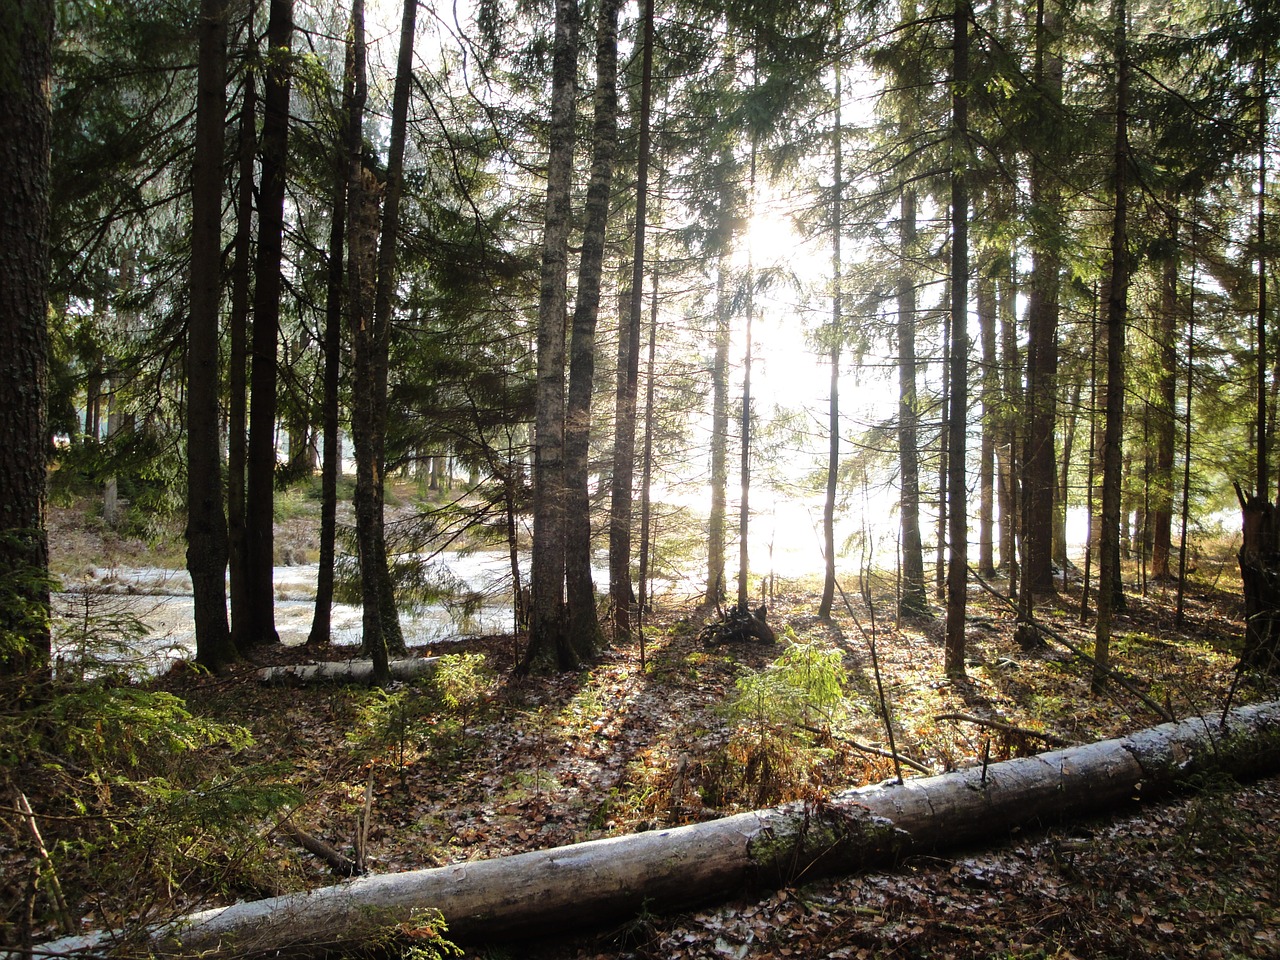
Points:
[(1186, 425), (914, 601), (25, 135), (624, 435), (837, 335), (549, 648), (238, 387), (1071, 418), (335, 287), (1039, 463), (1165, 413), (1007, 451), (260, 491), (744, 462), (584, 626), (1261, 318), (716, 524), (992, 415), (363, 193), (944, 446), (1117, 312), (645, 592), (380, 341), (957, 496), (206, 531)]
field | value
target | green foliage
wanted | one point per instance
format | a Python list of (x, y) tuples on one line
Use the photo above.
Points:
[(421, 937), (431, 716), (781, 718)]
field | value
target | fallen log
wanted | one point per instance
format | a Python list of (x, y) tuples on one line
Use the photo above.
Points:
[(603, 880), (346, 671)]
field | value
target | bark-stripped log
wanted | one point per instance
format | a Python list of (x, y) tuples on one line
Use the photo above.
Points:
[(602, 880), (347, 671)]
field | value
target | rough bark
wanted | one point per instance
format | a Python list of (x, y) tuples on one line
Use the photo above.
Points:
[(334, 308), (268, 288), (1117, 313), (583, 624), (914, 601), (957, 420), (628, 380), (372, 342), (25, 133), (991, 416), (1039, 462), (549, 648), (237, 378), (206, 530), (602, 881)]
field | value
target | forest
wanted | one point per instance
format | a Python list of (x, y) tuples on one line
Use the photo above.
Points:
[(846, 402)]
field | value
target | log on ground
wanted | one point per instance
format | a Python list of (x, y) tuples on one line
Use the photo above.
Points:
[(346, 671), (601, 881)]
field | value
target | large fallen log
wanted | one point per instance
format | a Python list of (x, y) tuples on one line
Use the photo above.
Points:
[(346, 671), (597, 882)]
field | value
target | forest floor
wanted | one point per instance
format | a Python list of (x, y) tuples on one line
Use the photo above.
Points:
[(480, 763)]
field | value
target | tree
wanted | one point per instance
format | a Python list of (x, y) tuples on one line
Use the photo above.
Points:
[(549, 647), (837, 332), (624, 435), (26, 129), (957, 376), (1117, 313), (268, 288), (206, 523), (583, 625)]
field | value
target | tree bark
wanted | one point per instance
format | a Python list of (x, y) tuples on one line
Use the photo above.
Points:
[(1117, 313), (237, 378), (1165, 412), (548, 648), (206, 531), (334, 308), (25, 136), (991, 415), (914, 601), (583, 624), (602, 881), (837, 337), (1039, 462), (268, 288), (628, 379), (716, 523), (958, 375)]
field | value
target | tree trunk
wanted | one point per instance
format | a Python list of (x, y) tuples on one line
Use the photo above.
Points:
[(1166, 405), (645, 592), (837, 336), (1259, 559), (238, 329), (380, 591), (744, 450), (716, 523), (333, 314), (549, 647), (958, 375), (914, 601), (991, 416), (268, 288), (604, 881), (1117, 312), (1007, 451), (1039, 463), (25, 134), (349, 671), (584, 626), (206, 530), (624, 431)]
